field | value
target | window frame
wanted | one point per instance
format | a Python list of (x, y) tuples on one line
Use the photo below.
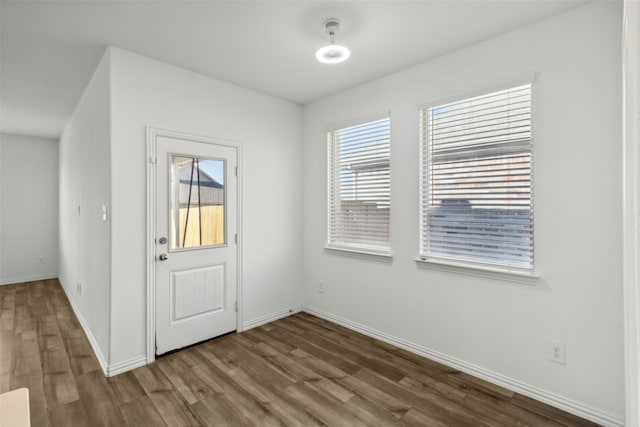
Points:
[(457, 265), (365, 251)]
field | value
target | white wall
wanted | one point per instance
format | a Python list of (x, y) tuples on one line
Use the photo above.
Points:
[(85, 173), (484, 324), (146, 92), (28, 208), (631, 153)]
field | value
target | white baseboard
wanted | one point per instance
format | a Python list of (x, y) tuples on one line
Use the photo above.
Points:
[(517, 386), (23, 279), (85, 326), (107, 369), (270, 318), (127, 365)]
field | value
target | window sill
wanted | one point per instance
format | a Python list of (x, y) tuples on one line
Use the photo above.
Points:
[(360, 253), (527, 278)]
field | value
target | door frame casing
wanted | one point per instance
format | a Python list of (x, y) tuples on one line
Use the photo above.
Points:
[(151, 160)]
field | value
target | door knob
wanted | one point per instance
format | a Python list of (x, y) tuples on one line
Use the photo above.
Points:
[(163, 257)]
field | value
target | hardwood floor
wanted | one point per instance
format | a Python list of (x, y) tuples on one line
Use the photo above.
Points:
[(297, 371)]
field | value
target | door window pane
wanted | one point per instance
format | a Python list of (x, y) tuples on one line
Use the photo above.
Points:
[(197, 210)]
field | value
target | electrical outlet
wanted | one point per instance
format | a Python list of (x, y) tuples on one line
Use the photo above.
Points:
[(556, 352), (79, 288), (321, 286), (42, 260)]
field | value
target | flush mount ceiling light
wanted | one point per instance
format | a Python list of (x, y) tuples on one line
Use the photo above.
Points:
[(332, 53)]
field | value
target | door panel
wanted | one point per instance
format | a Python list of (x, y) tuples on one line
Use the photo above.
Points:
[(196, 261), (196, 292)]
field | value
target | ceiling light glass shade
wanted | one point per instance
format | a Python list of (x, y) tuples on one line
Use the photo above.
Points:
[(333, 54)]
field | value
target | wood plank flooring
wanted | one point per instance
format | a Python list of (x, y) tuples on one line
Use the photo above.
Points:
[(297, 371)]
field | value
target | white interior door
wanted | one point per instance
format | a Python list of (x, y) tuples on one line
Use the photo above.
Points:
[(196, 256)]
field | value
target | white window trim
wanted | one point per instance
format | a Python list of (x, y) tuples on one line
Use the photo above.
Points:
[(478, 270), (524, 276), (366, 118), (522, 79), (359, 253)]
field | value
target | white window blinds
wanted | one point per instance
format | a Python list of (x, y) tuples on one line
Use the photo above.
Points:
[(476, 196), (359, 187)]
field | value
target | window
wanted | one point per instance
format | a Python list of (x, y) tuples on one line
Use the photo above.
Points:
[(359, 188), (476, 180), (197, 210)]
